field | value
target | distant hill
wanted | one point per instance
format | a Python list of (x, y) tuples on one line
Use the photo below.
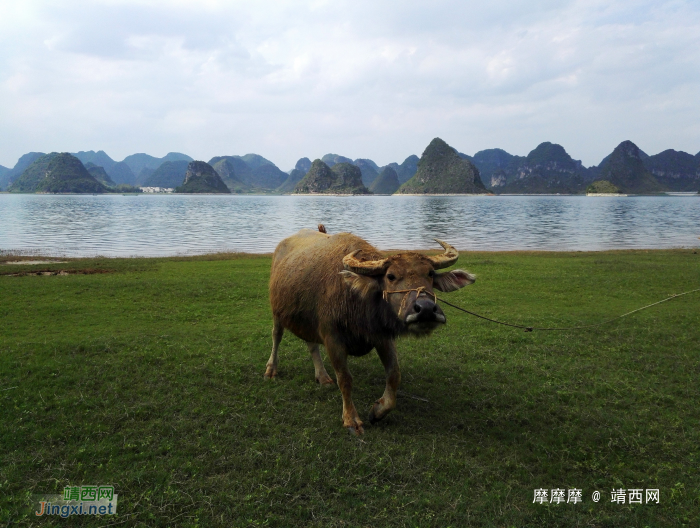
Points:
[(227, 171), (33, 175), (145, 173), (595, 170), (386, 182), (122, 174), (303, 165), (333, 159), (202, 178), (99, 174), (267, 177), (495, 166), (119, 171), (295, 176), (25, 161), (263, 175), (319, 179), (136, 162), (57, 173), (368, 169), (548, 169), (625, 169), (240, 168), (675, 170), (170, 174), (408, 168), (4, 171), (369, 162), (348, 179), (99, 158), (255, 161), (342, 178), (442, 171), (15, 172)]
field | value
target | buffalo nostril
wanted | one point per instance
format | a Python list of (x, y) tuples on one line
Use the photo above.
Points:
[(416, 308), (435, 309)]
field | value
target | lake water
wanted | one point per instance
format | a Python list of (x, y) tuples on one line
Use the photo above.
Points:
[(163, 225)]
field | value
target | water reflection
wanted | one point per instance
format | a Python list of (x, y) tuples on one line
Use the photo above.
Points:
[(168, 225)]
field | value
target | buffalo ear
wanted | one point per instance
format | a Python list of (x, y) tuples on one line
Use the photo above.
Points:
[(452, 280), (361, 284)]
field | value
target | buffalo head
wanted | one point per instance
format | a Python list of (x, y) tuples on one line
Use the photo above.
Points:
[(406, 282)]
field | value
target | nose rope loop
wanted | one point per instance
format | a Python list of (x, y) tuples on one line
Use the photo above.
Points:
[(418, 290)]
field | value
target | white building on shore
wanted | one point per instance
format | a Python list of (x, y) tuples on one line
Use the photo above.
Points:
[(157, 189)]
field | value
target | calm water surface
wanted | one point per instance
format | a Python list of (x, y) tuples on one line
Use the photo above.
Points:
[(162, 225)]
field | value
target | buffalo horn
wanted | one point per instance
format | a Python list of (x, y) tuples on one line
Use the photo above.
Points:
[(369, 267), (445, 260)]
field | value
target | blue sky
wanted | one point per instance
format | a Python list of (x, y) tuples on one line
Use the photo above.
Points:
[(372, 79)]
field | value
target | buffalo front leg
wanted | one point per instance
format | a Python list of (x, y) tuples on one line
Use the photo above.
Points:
[(277, 332), (387, 354), (322, 377), (339, 359)]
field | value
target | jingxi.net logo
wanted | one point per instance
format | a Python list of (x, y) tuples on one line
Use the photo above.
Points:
[(78, 500)]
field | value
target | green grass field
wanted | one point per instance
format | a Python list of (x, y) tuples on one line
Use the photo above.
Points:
[(150, 378)]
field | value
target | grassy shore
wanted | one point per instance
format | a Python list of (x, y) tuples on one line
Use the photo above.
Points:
[(149, 376)]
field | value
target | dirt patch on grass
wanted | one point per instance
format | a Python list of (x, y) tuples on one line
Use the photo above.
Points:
[(45, 272), (32, 262)]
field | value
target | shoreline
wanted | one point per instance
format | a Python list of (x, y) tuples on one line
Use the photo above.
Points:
[(489, 194), (14, 259), (443, 194)]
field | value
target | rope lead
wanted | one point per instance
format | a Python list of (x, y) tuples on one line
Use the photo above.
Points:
[(531, 328)]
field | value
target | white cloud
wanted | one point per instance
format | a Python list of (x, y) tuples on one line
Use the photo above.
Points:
[(365, 79)]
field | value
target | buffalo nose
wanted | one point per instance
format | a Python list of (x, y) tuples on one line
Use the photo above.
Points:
[(426, 310), (425, 305)]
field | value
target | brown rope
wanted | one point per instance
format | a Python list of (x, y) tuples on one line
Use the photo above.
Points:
[(531, 328), (385, 295)]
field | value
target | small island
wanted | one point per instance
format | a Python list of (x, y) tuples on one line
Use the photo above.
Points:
[(603, 188)]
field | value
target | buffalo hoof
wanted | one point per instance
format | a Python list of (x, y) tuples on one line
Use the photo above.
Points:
[(354, 427), (377, 412), (325, 380), (355, 430), (372, 416)]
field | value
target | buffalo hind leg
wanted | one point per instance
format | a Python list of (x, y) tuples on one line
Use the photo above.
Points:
[(322, 377), (277, 332), (339, 359), (389, 358)]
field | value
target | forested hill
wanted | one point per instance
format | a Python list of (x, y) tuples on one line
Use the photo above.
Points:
[(57, 173), (441, 170)]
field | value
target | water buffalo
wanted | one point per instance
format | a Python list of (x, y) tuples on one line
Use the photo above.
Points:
[(339, 291)]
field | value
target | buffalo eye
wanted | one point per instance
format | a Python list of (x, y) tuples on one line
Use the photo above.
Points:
[(431, 273), (391, 277)]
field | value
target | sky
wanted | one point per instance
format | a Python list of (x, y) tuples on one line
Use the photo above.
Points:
[(364, 79)]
